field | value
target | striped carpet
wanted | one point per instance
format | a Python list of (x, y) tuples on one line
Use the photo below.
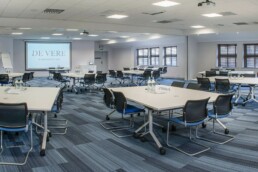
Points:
[(89, 147)]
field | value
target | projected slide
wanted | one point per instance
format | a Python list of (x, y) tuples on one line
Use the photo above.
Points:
[(42, 55)]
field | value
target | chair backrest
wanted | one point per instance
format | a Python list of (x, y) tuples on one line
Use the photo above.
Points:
[(101, 78), (156, 74), (4, 78), (210, 73), (135, 68), (164, 70), (55, 76), (195, 110), (205, 83), (223, 104), (214, 69), (222, 85), (178, 84), (119, 74), (26, 77), (223, 73), (90, 71), (126, 68), (112, 73), (193, 86), (13, 115), (108, 97), (120, 101), (59, 100), (249, 75), (146, 74), (31, 75), (89, 78)]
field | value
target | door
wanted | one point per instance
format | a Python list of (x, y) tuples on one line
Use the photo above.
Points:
[(101, 61)]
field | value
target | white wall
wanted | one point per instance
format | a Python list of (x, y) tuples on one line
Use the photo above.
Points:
[(82, 53), (124, 54), (6, 46)]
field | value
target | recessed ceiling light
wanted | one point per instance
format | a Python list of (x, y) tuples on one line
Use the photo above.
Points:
[(124, 36), (166, 3), (77, 38), (112, 31), (72, 30), (112, 42), (155, 37), (117, 16), (105, 39), (24, 28), (197, 27), (131, 40), (92, 35), (17, 33), (57, 34), (45, 37), (212, 15)]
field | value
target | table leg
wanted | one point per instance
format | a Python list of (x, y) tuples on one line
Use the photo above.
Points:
[(252, 96), (238, 93), (45, 135), (151, 132)]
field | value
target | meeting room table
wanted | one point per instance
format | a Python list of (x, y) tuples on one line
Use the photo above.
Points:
[(164, 98), (38, 99)]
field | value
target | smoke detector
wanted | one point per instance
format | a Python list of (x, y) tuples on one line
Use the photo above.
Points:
[(84, 33)]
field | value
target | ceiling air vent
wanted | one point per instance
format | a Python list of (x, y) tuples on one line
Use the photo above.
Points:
[(241, 23), (53, 11), (228, 13), (167, 21), (154, 13)]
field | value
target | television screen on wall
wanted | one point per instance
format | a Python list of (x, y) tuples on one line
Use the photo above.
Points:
[(45, 55)]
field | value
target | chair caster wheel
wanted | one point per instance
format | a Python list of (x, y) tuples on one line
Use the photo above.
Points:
[(136, 135), (204, 125), (138, 114), (162, 151), (55, 116), (173, 128), (76, 93), (42, 153), (164, 129), (107, 118), (226, 131), (143, 139)]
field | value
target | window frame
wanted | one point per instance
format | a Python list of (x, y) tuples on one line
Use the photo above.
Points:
[(227, 56), (143, 56), (255, 55), (156, 56), (171, 56)]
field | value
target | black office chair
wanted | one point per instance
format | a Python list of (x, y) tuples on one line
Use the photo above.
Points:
[(205, 84), (144, 77), (223, 86), (121, 77), (214, 69), (14, 118), (164, 71), (210, 73), (125, 109), (126, 68), (223, 73), (26, 78), (222, 108), (90, 71), (194, 114), (109, 102), (193, 86), (4, 79), (156, 74), (112, 74), (178, 84), (54, 123), (88, 81), (62, 81), (101, 79)]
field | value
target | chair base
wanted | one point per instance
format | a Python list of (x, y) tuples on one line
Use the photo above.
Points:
[(205, 148), (230, 137), (27, 155)]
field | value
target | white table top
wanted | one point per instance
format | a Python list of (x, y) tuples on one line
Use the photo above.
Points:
[(136, 72), (237, 80), (37, 98), (231, 72), (75, 75), (14, 75), (175, 98)]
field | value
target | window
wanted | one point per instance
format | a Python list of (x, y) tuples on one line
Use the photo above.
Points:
[(142, 56), (170, 56), (154, 56), (227, 55), (251, 55)]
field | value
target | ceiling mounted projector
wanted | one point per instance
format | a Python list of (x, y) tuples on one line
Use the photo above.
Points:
[(207, 3), (84, 33)]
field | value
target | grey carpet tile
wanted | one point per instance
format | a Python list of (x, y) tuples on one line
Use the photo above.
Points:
[(87, 146)]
